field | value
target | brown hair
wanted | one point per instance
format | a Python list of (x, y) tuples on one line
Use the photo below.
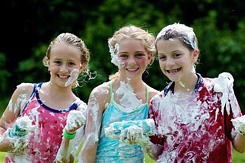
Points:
[(73, 40), (181, 32)]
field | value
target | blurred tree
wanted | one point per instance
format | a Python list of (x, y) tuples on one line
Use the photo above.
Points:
[(32, 24)]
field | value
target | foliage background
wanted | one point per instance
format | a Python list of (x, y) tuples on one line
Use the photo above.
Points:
[(32, 24), (27, 27)]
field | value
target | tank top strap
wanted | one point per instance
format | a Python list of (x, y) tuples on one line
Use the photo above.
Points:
[(147, 96), (111, 91), (34, 91)]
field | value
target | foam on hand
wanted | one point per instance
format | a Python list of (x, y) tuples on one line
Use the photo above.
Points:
[(75, 120), (239, 124), (21, 126), (115, 129)]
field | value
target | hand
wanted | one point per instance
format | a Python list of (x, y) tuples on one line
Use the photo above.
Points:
[(134, 135), (65, 161), (19, 144), (75, 120), (239, 124)]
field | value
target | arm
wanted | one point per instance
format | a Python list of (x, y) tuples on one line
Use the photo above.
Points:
[(74, 125), (136, 135), (239, 140), (98, 99), (239, 143), (11, 113), (153, 150)]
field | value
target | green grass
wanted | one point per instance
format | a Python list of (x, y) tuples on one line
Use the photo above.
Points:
[(237, 157)]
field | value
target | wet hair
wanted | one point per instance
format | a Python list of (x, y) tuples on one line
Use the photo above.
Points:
[(73, 40), (132, 32), (181, 32)]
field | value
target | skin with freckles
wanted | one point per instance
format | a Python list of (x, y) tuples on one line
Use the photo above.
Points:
[(46, 106)]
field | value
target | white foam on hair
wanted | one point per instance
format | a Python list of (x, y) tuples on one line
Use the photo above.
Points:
[(182, 29), (114, 54)]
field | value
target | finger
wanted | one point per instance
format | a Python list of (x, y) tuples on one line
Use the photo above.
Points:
[(71, 159), (123, 135)]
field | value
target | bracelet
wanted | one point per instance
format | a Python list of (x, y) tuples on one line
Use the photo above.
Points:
[(68, 136)]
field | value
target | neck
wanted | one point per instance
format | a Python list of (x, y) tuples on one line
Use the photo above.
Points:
[(186, 86), (136, 84), (54, 90)]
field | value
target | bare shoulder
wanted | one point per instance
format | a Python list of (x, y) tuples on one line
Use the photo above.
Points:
[(101, 90), (101, 94), (152, 92), (24, 89), (16, 103)]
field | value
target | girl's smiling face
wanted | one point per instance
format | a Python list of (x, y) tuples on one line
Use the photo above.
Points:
[(175, 60), (63, 60), (133, 58)]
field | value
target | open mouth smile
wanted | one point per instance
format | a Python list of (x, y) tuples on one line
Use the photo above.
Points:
[(132, 70), (173, 71), (63, 76)]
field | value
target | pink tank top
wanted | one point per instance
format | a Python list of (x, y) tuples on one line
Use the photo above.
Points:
[(46, 139)]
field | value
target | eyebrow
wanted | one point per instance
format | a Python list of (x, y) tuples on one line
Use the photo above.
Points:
[(134, 52)]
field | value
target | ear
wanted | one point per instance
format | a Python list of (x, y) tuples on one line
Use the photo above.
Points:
[(48, 62), (150, 57), (81, 68), (195, 55)]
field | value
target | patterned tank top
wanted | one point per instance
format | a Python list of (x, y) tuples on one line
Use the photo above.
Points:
[(110, 150), (46, 139)]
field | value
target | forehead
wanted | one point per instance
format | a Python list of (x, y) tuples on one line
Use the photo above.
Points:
[(63, 49), (130, 44), (170, 45)]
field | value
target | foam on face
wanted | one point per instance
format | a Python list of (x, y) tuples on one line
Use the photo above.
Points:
[(73, 76)]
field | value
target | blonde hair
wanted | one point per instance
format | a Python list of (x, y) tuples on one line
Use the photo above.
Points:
[(73, 40), (132, 32)]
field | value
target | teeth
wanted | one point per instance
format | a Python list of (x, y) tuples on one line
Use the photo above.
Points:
[(62, 76), (132, 69), (175, 70)]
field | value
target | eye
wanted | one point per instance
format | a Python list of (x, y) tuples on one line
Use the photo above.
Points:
[(123, 56), (58, 62), (176, 55), (162, 58), (71, 64), (139, 55)]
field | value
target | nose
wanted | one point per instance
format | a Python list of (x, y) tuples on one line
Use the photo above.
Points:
[(169, 62), (63, 68), (131, 61)]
